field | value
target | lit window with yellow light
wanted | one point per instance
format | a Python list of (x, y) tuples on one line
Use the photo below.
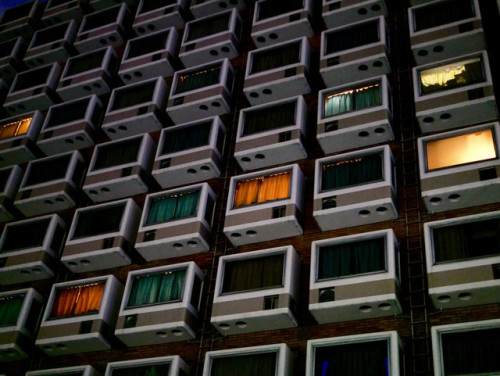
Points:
[(13, 129)]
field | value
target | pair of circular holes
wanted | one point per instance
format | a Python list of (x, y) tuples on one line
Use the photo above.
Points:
[(192, 171), (257, 156), (59, 346), (430, 119), (253, 94), (190, 243), (96, 85), (19, 107), (148, 26), (248, 233), (224, 49), (120, 127), (376, 64), (462, 296), (50, 202), (84, 262), (365, 213), (382, 306), (377, 131), (103, 190), (175, 332), (135, 74), (272, 36), (454, 197), (204, 107), (436, 49), (35, 270), (77, 138), (374, 7), (112, 39)]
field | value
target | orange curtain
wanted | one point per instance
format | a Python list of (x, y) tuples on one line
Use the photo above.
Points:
[(90, 299), (64, 303), (246, 192), (274, 187)]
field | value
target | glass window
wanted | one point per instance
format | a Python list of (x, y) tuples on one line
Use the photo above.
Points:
[(4, 177), (102, 18), (133, 95), (146, 45), (353, 359), (11, 14), (276, 57), (442, 13), (452, 75), (99, 221), (85, 63), (353, 99), (50, 34), (350, 259), (77, 300), (173, 207), (186, 138), (157, 288), (270, 118), (460, 150), (471, 353), (117, 153), (352, 37), (143, 370), (197, 80), (67, 113), (351, 172), (15, 128), (7, 47), (208, 26), (25, 235), (32, 78), (260, 364), (47, 170), (253, 274), (466, 240), (150, 5), (270, 8), (262, 189), (10, 308)]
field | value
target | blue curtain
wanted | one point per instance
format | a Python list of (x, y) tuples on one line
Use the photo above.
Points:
[(186, 138), (157, 288), (173, 207), (10, 308)]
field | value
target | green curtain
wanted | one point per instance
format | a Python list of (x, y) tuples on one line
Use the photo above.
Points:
[(117, 153), (338, 104), (10, 309), (187, 138), (196, 80), (173, 207), (271, 118), (353, 100), (157, 288), (245, 365), (276, 57)]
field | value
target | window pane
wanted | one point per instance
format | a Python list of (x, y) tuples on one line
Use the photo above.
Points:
[(27, 235), (253, 274), (48, 170), (85, 63), (442, 13), (153, 370), (117, 154), (7, 47), (270, 8), (10, 308), (262, 189), (178, 206), (271, 118), (15, 128), (187, 138), (17, 12), (133, 95), (471, 353), (352, 37), (99, 221), (263, 364), (276, 57), (143, 46), (68, 113), (459, 150), (350, 259), (198, 80), (77, 300), (4, 176), (467, 240), (356, 359), (157, 288), (102, 18), (450, 76), (50, 34), (351, 172), (353, 99), (32, 78), (210, 26)]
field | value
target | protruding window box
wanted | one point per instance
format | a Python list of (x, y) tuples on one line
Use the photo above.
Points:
[(454, 93), (70, 126), (256, 291), (355, 188), (355, 115), (154, 15), (101, 236), (30, 249), (80, 316), (355, 52), (355, 277), (270, 360), (189, 153), (11, 54), (201, 92), (277, 72), (149, 56), (51, 184), (276, 22), (444, 29), (107, 27), (468, 348), (21, 20), (176, 223), (57, 11), (271, 134), (17, 138), (211, 38), (203, 8), (87, 74), (52, 44), (463, 260), (165, 366), (21, 311), (160, 305), (377, 353), (338, 13), (10, 180), (67, 371), (33, 90), (265, 205), (461, 168), (120, 168), (136, 109)]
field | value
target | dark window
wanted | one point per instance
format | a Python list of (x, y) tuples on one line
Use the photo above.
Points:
[(50, 34), (26, 235), (150, 5), (102, 18), (133, 95), (15, 13), (7, 47), (352, 99), (68, 112), (149, 370), (356, 359), (173, 207), (259, 364), (272, 8), (10, 309), (274, 117), (85, 63), (199, 79), (99, 221), (349, 259), (55, 3), (276, 57), (196, 292), (347, 173), (471, 353), (442, 13), (116, 154), (32, 78), (42, 171), (253, 274), (209, 26), (4, 177), (352, 37), (147, 45), (187, 138), (467, 240)]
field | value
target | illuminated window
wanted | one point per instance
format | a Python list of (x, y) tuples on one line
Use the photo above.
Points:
[(173, 207), (77, 300), (197, 80), (352, 100), (262, 189), (13, 129), (10, 308), (460, 150)]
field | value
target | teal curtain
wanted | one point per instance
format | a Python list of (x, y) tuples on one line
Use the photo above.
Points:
[(157, 288), (173, 207), (271, 118), (353, 100), (338, 104), (186, 138), (117, 153), (196, 80), (10, 308), (245, 365)]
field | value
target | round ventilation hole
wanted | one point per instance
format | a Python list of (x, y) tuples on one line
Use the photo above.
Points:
[(151, 27), (213, 52), (261, 39), (177, 332), (375, 7), (444, 299), (253, 94), (205, 168), (364, 213), (245, 159), (69, 141), (127, 76), (454, 197), (235, 235), (362, 11), (192, 243), (25, 272), (445, 116), (203, 107), (251, 233), (122, 127), (87, 88), (365, 308), (224, 326), (384, 306), (85, 262), (363, 67), (112, 38), (377, 64), (273, 36), (435, 200), (215, 104), (423, 53), (379, 130), (465, 296), (161, 334), (105, 189), (72, 263), (260, 156), (438, 48), (267, 91), (381, 209), (428, 119), (102, 41), (178, 245), (225, 49), (241, 324), (191, 171), (363, 134)]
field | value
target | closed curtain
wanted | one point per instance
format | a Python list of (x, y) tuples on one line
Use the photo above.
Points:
[(10, 308), (272, 187), (197, 80), (352, 100), (442, 13), (351, 259), (157, 288), (77, 300), (117, 154), (348, 173), (271, 118), (14, 129), (471, 353), (133, 96), (275, 58), (352, 37), (264, 272), (208, 27), (245, 365), (153, 370), (359, 359), (186, 138), (173, 207)]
